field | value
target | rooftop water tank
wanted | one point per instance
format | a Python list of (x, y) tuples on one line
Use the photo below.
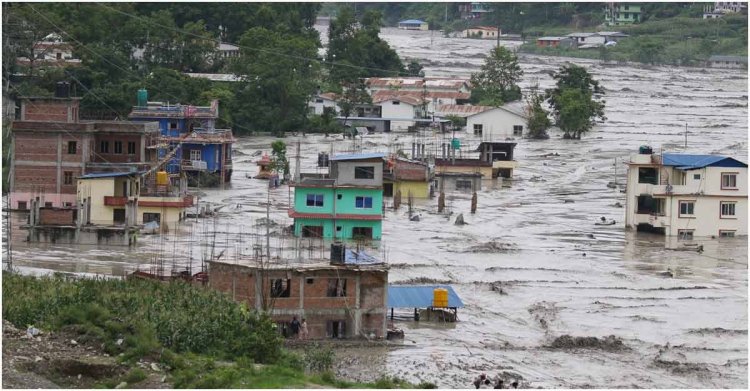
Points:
[(142, 97), (645, 150)]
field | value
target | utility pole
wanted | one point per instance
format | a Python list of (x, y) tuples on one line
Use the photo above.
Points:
[(686, 131)]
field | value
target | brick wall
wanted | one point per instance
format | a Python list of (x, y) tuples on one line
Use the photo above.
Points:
[(35, 147), (111, 156), (55, 216), (49, 110), (36, 179)]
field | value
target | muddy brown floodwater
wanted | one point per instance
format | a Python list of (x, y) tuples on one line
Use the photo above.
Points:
[(574, 305)]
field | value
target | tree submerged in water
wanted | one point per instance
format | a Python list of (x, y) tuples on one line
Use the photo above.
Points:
[(575, 102), (496, 82)]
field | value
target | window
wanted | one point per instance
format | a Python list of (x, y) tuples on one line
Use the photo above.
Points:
[(363, 203), (728, 209), (58, 56), (478, 129), (173, 125), (22, 205), (697, 177), (396, 103), (195, 154), (728, 180), (518, 130), (68, 204), (685, 234), (72, 147), (131, 147), (281, 287), (68, 177), (318, 100), (315, 200), (47, 204), (362, 233), (339, 196), (648, 175), (338, 228), (312, 231), (104, 147), (726, 234), (309, 281), (364, 172), (336, 329), (463, 184), (118, 216), (118, 146), (336, 287), (149, 217), (687, 208)]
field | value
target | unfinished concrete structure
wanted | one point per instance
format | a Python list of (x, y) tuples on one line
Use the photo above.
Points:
[(342, 298)]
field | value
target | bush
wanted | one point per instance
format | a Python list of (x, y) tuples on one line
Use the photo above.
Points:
[(319, 359)]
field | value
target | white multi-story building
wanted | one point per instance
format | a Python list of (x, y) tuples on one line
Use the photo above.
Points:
[(686, 195)]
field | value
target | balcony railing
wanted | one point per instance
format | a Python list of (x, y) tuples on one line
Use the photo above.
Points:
[(194, 165)]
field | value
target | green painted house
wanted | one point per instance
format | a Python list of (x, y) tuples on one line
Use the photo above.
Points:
[(617, 14), (348, 205)]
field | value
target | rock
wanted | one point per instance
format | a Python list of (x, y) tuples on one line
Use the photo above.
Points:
[(37, 359), (414, 218), (460, 219), (73, 342), (121, 386), (120, 341), (155, 367), (80, 376), (164, 379)]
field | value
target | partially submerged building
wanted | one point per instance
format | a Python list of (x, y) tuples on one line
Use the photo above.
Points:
[(344, 297), (407, 177), (490, 123), (347, 205), (189, 139), (686, 195)]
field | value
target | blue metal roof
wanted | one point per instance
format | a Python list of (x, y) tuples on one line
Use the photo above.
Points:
[(411, 21), (358, 156), (690, 162), (410, 296), (97, 175), (359, 258)]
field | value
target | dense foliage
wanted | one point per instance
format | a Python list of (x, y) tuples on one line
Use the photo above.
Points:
[(496, 81), (538, 121), (575, 100)]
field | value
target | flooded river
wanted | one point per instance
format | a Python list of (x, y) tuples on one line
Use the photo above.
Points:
[(532, 238)]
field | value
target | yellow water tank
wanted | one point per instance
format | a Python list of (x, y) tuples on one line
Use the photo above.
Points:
[(440, 298), (162, 179)]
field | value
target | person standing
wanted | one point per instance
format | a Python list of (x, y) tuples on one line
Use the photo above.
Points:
[(295, 325), (303, 329)]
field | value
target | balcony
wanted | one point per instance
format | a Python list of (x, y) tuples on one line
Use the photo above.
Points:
[(115, 201), (166, 202), (194, 165), (655, 220), (663, 190)]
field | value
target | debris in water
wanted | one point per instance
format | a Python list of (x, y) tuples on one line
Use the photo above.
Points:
[(609, 343), (460, 219)]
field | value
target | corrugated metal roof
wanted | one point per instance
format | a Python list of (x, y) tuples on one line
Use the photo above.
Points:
[(358, 156), (98, 175), (688, 162), (404, 296), (410, 21), (581, 34), (462, 110)]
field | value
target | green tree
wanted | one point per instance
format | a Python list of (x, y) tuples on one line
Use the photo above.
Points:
[(537, 119), (415, 68), (278, 80), (354, 94), (496, 81), (279, 162), (575, 101)]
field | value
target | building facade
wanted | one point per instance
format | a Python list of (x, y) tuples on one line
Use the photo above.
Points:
[(729, 62), (413, 24), (337, 299), (686, 195), (617, 14), (348, 205)]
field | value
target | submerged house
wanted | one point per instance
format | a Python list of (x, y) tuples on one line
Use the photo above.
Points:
[(413, 24), (344, 297), (686, 195), (189, 139), (347, 205), (408, 177)]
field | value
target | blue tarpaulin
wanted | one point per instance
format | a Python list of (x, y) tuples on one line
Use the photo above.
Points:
[(410, 296)]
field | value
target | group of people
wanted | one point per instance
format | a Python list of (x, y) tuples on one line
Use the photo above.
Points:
[(484, 380), (299, 329)]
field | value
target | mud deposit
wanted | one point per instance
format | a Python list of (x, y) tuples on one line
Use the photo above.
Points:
[(593, 281)]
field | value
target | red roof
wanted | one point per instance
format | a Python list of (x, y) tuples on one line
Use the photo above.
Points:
[(340, 216)]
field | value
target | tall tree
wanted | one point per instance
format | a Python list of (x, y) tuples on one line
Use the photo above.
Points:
[(355, 94), (575, 101), (496, 81), (537, 120), (278, 79)]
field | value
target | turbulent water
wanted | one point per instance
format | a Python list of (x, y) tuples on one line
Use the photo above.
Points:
[(533, 240)]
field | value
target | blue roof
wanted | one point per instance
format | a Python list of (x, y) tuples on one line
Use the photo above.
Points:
[(410, 296), (411, 21), (358, 156), (691, 162), (97, 175), (359, 258)]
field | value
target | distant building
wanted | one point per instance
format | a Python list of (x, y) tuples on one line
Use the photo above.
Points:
[(721, 8), (319, 102), (227, 50), (491, 123), (473, 10), (734, 62), (52, 51), (553, 42), (686, 195), (347, 205), (581, 39), (343, 297), (413, 24), (482, 32), (612, 36), (618, 14)]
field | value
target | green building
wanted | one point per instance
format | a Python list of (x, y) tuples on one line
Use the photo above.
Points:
[(617, 14), (347, 205)]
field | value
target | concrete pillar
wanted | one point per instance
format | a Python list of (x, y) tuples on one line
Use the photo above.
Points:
[(59, 163)]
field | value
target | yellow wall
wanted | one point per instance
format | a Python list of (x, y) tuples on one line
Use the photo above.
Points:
[(97, 189), (170, 216), (418, 189), (485, 171)]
